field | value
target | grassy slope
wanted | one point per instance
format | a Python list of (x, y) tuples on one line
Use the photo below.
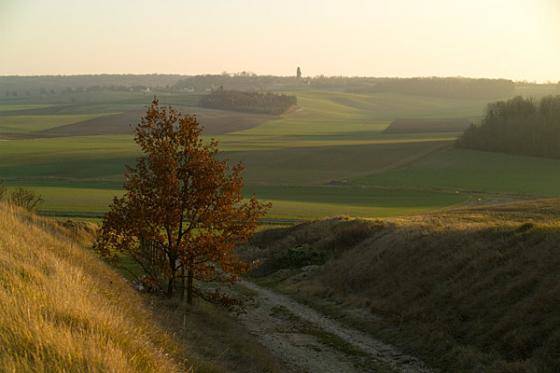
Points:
[(63, 310), (470, 290)]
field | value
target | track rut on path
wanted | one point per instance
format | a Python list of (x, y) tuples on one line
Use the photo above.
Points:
[(304, 352)]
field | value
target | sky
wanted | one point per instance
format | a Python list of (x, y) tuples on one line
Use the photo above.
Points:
[(514, 39)]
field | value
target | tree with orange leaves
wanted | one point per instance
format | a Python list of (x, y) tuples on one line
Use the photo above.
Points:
[(182, 214)]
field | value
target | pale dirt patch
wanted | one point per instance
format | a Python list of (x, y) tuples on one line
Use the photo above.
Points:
[(305, 352)]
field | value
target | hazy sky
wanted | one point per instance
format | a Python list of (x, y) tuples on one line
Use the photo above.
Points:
[(517, 39)]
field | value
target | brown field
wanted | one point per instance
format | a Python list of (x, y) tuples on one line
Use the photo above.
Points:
[(215, 122), (427, 125)]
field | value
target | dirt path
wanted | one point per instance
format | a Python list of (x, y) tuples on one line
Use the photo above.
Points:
[(307, 341)]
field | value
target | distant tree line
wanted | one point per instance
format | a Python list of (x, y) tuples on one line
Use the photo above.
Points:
[(450, 87), (435, 87), (252, 102), (518, 126), (21, 86), (243, 81), (15, 86)]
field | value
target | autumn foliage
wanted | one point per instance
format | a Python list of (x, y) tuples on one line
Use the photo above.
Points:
[(182, 214)]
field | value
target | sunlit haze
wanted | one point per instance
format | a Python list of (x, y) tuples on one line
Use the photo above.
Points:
[(517, 39)]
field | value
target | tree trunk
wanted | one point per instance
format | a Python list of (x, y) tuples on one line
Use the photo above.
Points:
[(189, 286), (170, 284), (173, 272), (182, 283)]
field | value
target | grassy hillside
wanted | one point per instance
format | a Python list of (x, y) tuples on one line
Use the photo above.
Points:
[(64, 310), (467, 290)]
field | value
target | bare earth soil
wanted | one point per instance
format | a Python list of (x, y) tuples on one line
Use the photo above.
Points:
[(215, 122), (307, 341)]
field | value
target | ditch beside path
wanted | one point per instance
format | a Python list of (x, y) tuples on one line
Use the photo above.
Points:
[(307, 341)]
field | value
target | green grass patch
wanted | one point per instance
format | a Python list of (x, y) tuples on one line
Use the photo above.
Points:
[(457, 169), (313, 202), (14, 107), (75, 201)]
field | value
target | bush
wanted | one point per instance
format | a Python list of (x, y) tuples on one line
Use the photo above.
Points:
[(25, 198), (3, 190)]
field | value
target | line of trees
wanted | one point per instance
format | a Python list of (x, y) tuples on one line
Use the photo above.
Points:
[(430, 86), (251, 102), (518, 126), (61, 83), (456, 87), (449, 87)]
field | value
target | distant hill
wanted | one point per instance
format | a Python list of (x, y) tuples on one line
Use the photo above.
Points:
[(465, 290), (427, 125), (62, 310)]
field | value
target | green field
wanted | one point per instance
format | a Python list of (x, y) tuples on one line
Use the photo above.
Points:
[(329, 157), (475, 171)]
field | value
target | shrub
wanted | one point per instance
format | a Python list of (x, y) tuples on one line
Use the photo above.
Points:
[(25, 198), (3, 190)]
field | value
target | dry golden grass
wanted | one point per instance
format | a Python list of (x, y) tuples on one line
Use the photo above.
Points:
[(63, 310), (214, 339)]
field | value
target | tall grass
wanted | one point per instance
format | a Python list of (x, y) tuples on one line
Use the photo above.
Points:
[(63, 310), (467, 290)]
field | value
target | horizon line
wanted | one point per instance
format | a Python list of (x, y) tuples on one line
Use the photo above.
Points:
[(544, 82)]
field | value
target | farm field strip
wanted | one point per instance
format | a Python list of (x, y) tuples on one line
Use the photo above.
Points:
[(15, 107), (298, 202), (475, 171), (21, 124)]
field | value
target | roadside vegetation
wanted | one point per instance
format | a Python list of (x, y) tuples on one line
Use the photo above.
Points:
[(20, 197), (64, 310), (464, 290)]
